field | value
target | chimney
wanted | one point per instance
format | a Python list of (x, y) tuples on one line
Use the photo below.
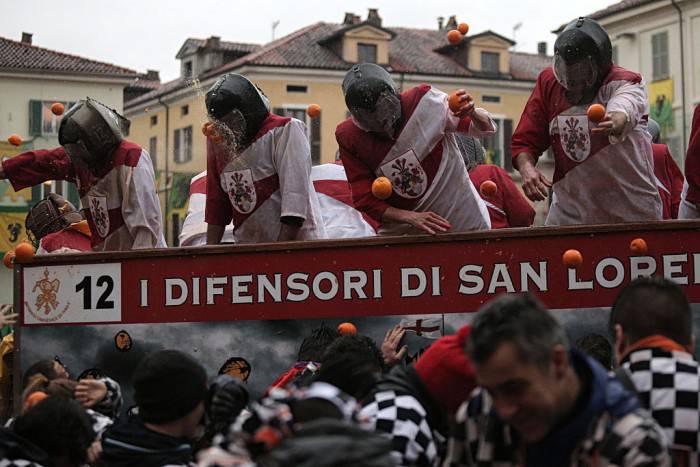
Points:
[(27, 38), (349, 17), (373, 17), (451, 23), (441, 21), (152, 75), (542, 48), (214, 42)]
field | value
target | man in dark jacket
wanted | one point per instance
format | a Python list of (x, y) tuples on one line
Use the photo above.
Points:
[(542, 404), (169, 389)]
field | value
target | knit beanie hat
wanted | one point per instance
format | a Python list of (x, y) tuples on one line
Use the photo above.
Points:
[(446, 371), (168, 385)]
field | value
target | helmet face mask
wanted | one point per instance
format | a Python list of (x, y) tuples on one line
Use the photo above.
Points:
[(232, 127), (89, 133), (238, 107), (371, 96), (578, 76), (582, 59), (387, 111)]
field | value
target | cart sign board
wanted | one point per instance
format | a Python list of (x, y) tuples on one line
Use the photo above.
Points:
[(250, 306), (354, 278)]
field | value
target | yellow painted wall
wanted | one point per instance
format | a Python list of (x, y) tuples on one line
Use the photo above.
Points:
[(366, 35), (487, 44)]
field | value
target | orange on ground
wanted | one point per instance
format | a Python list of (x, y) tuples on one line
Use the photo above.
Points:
[(488, 188), (34, 398), (596, 113), (572, 258), (9, 259), (313, 110), (381, 187), (347, 329), (57, 108), (24, 252), (15, 140), (638, 246), (454, 102), (454, 37), (463, 28)]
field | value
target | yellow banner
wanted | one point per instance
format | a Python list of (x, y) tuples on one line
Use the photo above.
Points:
[(11, 230)]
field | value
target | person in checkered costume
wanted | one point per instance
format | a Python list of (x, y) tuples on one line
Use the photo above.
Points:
[(652, 324), (542, 404), (412, 405)]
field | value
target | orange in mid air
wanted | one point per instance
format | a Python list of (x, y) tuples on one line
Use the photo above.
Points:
[(638, 246), (596, 113), (207, 128), (381, 187), (488, 188), (24, 252), (454, 102), (9, 259), (572, 258), (313, 110), (347, 329), (15, 140), (454, 37), (463, 28), (57, 108)]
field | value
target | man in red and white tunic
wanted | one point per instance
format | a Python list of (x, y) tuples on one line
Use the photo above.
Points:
[(114, 177), (690, 203), (669, 178), (259, 175), (194, 229), (409, 138), (604, 173)]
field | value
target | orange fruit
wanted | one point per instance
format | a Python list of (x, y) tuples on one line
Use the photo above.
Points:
[(463, 28), (454, 102), (488, 188), (347, 329), (596, 113), (454, 37), (9, 259), (638, 246), (24, 252), (57, 108), (15, 140), (207, 128), (381, 187), (572, 258), (34, 398), (313, 111)]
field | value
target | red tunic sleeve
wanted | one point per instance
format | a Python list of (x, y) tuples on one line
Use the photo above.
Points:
[(532, 134), (33, 167), (677, 179), (692, 160), (218, 207)]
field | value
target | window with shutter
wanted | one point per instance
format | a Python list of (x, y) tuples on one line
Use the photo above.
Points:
[(507, 138), (659, 52), (35, 118), (177, 146)]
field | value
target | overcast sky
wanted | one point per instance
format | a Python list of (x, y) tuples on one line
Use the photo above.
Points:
[(146, 34)]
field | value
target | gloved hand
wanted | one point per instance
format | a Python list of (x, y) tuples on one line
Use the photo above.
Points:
[(226, 399)]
